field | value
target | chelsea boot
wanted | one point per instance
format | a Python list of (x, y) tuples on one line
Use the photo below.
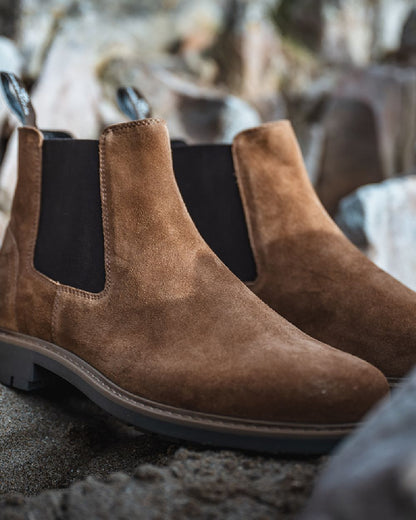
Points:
[(255, 205)]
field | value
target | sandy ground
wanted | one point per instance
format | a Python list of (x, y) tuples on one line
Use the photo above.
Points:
[(56, 441)]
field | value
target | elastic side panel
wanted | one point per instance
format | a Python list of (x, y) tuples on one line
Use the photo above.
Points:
[(206, 179), (70, 242)]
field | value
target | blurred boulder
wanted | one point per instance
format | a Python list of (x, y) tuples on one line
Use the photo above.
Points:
[(193, 113), (370, 131), (53, 437), (152, 30), (192, 484), (381, 220), (372, 475), (408, 40), (9, 13), (10, 60), (348, 35), (301, 20), (406, 53), (351, 152), (3, 225), (249, 56), (69, 98)]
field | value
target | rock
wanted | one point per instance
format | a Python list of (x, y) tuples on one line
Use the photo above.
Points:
[(9, 12), (348, 37), (390, 21), (55, 440), (50, 440), (11, 61), (373, 473), (10, 58), (301, 20), (193, 113), (8, 178), (3, 225), (359, 32), (370, 131), (408, 40), (69, 97), (351, 31), (350, 154), (381, 220), (91, 24), (248, 52), (143, 34)]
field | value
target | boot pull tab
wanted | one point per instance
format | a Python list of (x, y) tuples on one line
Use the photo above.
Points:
[(17, 98), (132, 103)]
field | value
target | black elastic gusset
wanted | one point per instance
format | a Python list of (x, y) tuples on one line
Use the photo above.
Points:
[(206, 179), (70, 242)]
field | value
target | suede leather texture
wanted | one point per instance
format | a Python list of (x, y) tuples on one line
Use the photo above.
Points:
[(307, 270), (173, 324)]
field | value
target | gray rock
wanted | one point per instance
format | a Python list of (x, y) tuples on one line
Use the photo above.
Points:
[(57, 439), (49, 440), (370, 131), (302, 20), (9, 13), (408, 40), (348, 37), (373, 474), (389, 19), (381, 220), (351, 154), (3, 225), (10, 58), (247, 51)]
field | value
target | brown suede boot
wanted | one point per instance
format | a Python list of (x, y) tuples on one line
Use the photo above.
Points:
[(273, 232), (161, 334), (307, 270)]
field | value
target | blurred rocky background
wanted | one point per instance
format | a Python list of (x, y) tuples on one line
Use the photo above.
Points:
[(344, 73), (342, 70)]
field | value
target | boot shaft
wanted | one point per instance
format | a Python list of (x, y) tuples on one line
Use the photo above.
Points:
[(245, 197), (84, 212)]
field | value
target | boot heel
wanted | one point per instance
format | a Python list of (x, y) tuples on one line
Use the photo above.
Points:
[(18, 370)]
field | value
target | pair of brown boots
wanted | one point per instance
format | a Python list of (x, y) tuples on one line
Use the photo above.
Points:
[(106, 282)]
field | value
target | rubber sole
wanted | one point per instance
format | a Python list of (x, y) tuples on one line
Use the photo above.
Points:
[(28, 363)]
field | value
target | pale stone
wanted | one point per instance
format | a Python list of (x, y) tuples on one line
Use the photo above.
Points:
[(348, 34), (381, 220), (10, 61), (391, 18)]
